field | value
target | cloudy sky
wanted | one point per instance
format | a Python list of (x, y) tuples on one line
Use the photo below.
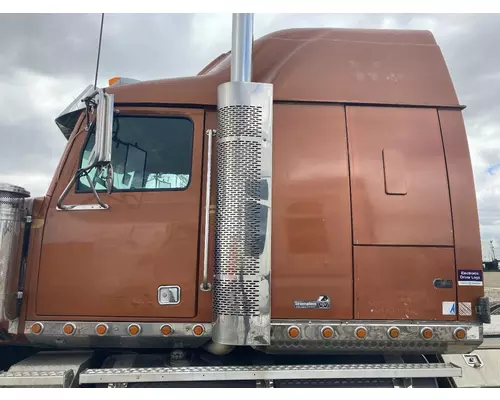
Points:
[(48, 59)]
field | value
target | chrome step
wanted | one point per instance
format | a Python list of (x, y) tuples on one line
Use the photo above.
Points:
[(242, 373), (47, 369), (61, 379)]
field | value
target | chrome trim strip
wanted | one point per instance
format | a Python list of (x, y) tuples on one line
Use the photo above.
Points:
[(309, 340), (377, 330), (147, 329), (376, 340), (117, 335), (83, 207)]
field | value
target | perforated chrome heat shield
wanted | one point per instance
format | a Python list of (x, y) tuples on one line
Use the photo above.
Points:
[(242, 281)]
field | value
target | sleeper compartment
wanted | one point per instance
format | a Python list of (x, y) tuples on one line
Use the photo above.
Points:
[(404, 265)]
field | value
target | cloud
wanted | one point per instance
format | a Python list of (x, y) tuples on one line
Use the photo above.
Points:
[(50, 58)]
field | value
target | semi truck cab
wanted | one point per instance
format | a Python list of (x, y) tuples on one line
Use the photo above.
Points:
[(326, 206)]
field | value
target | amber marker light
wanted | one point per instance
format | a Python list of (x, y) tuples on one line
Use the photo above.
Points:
[(36, 328), (134, 330), (327, 332), (427, 333), (293, 332), (393, 332), (166, 330), (460, 333), (114, 80), (101, 329), (361, 332), (198, 330), (69, 329)]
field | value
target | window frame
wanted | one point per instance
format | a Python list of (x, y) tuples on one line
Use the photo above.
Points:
[(78, 184)]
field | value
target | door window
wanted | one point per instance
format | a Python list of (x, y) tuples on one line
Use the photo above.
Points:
[(149, 153)]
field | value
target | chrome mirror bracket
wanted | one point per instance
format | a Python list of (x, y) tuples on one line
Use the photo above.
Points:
[(79, 174)]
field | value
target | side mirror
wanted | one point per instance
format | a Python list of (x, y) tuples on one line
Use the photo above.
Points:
[(101, 153), (100, 157)]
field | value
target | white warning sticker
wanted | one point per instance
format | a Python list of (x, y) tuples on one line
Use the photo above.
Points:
[(449, 308), (465, 308)]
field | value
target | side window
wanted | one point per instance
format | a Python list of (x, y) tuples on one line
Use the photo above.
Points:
[(149, 153)]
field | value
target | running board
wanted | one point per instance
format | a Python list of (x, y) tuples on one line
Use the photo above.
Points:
[(47, 369), (270, 372), (54, 379)]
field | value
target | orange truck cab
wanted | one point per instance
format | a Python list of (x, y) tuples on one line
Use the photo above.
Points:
[(327, 209)]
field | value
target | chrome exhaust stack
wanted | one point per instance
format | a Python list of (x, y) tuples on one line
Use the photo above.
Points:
[(242, 45), (242, 269)]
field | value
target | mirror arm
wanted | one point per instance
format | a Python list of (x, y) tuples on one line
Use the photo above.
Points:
[(76, 207)]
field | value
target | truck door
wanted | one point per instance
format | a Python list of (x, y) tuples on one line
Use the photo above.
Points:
[(103, 264), (402, 227)]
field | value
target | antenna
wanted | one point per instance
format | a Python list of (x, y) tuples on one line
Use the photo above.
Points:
[(99, 52)]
